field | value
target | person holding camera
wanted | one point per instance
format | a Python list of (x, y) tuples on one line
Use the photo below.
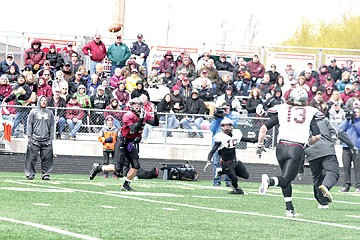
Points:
[(351, 125), (215, 127)]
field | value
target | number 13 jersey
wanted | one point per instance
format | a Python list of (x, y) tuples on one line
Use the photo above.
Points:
[(294, 121)]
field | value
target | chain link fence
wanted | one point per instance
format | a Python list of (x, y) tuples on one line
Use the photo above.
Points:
[(179, 129)]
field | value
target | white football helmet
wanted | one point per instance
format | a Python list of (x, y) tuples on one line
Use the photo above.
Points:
[(135, 104), (227, 125), (299, 97)]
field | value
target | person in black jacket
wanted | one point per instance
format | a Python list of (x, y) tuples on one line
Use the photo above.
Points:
[(21, 94), (140, 90), (54, 58), (207, 94), (273, 74), (98, 101), (253, 102), (275, 99), (58, 102), (193, 105), (166, 106), (140, 49)]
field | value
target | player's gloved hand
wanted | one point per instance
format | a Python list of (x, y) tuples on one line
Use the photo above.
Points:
[(137, 140), (142, 113), (260, 149), (208, 163), (130, 146), (354, 150), (109, 140)]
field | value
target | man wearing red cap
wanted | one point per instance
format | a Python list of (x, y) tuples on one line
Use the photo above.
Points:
[(54, 58), (96, 50), (118, 53)]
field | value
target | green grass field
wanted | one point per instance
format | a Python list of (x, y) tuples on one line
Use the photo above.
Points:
[(72, 207)]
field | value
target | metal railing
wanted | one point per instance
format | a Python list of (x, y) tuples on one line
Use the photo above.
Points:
[(93, 120)]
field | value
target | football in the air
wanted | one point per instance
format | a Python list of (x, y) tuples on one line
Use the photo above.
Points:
[(115, 27)]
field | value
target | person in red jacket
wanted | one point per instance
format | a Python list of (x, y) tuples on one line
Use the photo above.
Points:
[(43, 89), (34, 57), (96, 50), (74, 115), (256, 69)]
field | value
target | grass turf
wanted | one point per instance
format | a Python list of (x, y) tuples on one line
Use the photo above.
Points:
[(165, 209)]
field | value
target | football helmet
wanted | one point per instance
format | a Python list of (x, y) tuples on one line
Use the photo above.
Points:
[(299, 97), (135, 104), (227, 125)]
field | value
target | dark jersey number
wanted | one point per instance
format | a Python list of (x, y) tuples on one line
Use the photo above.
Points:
[(232, 143), (298, 115)]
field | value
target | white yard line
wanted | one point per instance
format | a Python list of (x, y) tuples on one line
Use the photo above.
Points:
[(48, 228), (200, 207)]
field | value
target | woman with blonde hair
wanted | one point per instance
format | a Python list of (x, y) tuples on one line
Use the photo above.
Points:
[(85, 73)]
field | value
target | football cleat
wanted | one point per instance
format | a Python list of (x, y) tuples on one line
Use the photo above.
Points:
[(237, 191), (126, 188), (264, 183), (291, 213), (218, 172), (323, 206), (325, 192), (95, 170)]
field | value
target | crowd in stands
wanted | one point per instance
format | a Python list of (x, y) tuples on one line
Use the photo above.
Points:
[(191, 86)]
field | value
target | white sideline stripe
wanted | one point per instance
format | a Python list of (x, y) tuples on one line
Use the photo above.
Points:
[(48, 228), (353, 216), (200, 207)]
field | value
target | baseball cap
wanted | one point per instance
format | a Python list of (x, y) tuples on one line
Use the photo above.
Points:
[(97, 35), (195, 91), (67, 64), (294, 81), (223, 55), (182, 51), (333, 60), (78, 73), (140, 35), (329, 77), (118, 35), (229, 88), (109, 117), (101, 87), (204, 71), (357, 93), (348, 86)]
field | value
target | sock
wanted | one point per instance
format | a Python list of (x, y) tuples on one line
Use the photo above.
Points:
[(127, 182), (274, 181), (288, 203)]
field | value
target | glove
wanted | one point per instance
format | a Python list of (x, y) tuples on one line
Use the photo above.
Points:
[(208, 163), (109, 140), (155, 110), (130, 146), (260, 150), (137, 140), (354, 150), (36, 67), (142, 113)]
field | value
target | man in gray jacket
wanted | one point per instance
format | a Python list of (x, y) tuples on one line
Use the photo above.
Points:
[(40, 132), (323, 161)]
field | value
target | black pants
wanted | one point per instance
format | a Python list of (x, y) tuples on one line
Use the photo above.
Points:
[(234, 169), (347, 158), (325, 171), (122, 152), (46, 156), (290, 158)]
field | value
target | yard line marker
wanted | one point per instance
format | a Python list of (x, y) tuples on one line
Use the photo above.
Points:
[(150, 194), (210, 197), (353, 216), (170, 209), (110, 207), (41, 204), (48, 228), (201, 207)]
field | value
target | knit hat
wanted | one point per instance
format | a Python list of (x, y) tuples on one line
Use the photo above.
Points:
[(109, 117), (52, 46), (175, 88)]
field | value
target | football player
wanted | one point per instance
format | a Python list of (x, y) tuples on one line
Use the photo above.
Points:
[(295, 119), (225, 143), (127, 145)]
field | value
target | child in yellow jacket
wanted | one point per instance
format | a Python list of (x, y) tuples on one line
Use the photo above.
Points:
[(107, 136)]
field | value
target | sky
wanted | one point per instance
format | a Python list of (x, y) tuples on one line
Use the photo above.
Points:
[(173, 22)]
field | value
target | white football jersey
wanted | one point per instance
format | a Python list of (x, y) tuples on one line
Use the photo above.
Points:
[(294, 122), (228, 141)]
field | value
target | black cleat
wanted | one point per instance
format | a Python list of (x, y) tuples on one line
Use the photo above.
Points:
[(46, 178), (95, 170), (127, 188), (237, 191)]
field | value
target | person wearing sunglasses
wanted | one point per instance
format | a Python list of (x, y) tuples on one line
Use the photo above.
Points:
[(118, 53)]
